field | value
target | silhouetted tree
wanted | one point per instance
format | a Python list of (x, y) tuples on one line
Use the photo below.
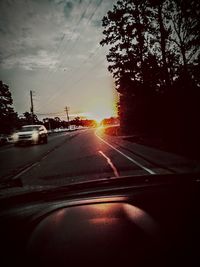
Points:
[(153, 44), (54, 123), (128, 33), (29, 119), (110, 121), (185, 27), (8, 118), (161, 15), (89, 123), (76, 121), (125, 29)]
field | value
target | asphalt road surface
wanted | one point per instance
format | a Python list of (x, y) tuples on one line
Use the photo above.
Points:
[(85, 155)]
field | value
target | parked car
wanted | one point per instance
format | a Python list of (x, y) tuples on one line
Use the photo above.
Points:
[(33, 134), (3, 139)]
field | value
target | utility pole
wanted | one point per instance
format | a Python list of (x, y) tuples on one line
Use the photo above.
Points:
[(67, 110), (32, 109)]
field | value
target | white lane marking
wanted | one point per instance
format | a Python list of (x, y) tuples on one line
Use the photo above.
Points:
[(127, 157), (110, 163), (25, 170)]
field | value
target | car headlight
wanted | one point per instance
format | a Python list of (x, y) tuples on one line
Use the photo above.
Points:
[(35, 136), (15, 137)]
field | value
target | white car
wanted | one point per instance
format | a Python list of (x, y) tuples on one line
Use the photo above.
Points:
[(33, 134)]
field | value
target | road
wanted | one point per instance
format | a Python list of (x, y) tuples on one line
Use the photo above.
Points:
[(85, 155)]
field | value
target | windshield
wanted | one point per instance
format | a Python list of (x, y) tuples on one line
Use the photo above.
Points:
[(115, 84), (31, 128)]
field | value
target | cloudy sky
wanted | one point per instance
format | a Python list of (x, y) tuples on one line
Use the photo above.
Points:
[(52, 47)]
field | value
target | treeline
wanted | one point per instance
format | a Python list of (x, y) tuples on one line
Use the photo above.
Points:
[(154, 57), (11, 121), (110, 121), (55, 123)]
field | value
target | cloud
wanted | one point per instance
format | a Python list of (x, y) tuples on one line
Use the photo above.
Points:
[(68, 8), (31, 62), (35, 25), (97, 23), (57, 39), (28, 27), (61, 28)]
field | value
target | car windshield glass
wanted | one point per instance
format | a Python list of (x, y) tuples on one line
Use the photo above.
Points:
[(31, 128), (114, 85)]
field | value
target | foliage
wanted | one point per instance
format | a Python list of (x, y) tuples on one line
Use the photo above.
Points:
[(154, 58), (110, 121), (8, 118), (28, 118), (56, 123)]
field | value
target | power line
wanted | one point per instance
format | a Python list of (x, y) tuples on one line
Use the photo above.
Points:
[(85, 60), (90, 18), (88, 72), (76, 26), (58, 91), (73, 31), (61, 41), (50, 114)]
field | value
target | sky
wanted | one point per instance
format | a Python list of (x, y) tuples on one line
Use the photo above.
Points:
[(52, 48)]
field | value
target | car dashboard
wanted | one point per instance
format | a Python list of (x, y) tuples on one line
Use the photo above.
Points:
[(129, 221)]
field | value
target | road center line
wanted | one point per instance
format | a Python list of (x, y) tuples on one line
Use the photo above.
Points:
[(110, 163), (25, 170), (34, 164), (127, 157)]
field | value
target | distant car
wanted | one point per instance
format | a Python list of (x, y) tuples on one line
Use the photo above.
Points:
[(72, 127), (34, 134)]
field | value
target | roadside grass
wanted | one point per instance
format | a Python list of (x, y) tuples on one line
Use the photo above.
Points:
[(188, 148)]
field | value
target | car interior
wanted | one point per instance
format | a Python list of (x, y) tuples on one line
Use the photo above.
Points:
[(130, 221)]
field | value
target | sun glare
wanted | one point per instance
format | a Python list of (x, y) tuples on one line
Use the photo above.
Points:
[(98, 119), (98, 116)]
